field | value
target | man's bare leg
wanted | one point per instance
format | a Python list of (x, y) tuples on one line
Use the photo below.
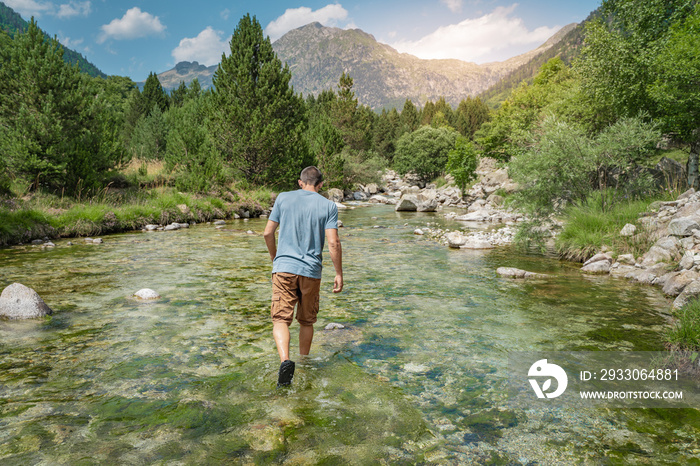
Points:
[(280, 332), (306, 335)]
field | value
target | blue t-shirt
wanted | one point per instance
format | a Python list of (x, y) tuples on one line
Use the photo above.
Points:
[(303, 217)]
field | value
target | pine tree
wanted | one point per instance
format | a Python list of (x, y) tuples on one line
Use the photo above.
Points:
[(258, 122), (153, 94), (410, 118), (53, 129)]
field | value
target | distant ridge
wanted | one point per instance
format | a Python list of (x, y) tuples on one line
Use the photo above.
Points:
[(12, 23), (383, 77)]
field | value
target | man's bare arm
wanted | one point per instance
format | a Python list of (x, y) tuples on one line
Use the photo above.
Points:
[(336, 251), (269, 236)]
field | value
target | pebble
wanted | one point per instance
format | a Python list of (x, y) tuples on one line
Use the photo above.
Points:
[(334, 326)]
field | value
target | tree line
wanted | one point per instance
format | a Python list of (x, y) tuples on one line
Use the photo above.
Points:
[(64, 131)]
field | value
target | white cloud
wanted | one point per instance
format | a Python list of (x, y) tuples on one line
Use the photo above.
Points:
[(133, 25), (478, 39), (455, 6), (294, 18), (206, 48), (37, 8), (225, 14), (73, 8), (28, 8), (70, 43)]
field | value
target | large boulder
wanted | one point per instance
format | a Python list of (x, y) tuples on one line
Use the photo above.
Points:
[(336, 195), (473, 243), (678, 281), (597, 267), (664, 250), (690, 292), (21, 302), (417, 203), (683, 226)]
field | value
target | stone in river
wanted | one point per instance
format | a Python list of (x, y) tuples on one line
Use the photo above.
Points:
[(334, 326), (146, 294), (21, 302)]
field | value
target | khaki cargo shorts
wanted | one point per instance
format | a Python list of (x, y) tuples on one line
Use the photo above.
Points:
[(288, 290)]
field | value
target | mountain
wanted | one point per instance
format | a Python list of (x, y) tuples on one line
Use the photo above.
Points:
[(383, 77), (12, 23), (186, 71), (567, 48)]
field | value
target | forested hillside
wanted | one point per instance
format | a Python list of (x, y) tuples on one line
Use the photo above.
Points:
[(566, 49), (12, 23)]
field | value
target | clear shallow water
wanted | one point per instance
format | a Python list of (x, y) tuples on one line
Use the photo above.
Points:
[(419, 376)]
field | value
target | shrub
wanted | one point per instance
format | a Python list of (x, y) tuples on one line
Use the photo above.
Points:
[(462, 162), (424, 151)]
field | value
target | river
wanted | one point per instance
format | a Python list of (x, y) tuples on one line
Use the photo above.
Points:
[(418, 375)]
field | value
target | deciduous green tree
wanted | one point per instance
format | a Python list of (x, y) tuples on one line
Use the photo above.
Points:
[(424, 152)]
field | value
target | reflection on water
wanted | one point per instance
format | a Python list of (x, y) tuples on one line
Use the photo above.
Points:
[(419, 375)]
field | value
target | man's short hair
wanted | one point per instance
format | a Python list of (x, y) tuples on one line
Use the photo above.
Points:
[(311, 175)]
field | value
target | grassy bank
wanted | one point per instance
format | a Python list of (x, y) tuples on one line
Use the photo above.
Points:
[(46, 215), (588, 229)]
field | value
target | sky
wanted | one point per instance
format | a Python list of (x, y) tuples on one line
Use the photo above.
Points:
[(133, 38)]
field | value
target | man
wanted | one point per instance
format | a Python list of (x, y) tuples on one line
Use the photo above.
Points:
[(305, 219)]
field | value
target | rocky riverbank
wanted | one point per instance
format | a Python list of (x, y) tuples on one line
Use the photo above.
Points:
[(673, 260), (483, 204)]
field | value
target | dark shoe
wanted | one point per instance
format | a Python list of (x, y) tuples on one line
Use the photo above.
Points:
[(286, 373)]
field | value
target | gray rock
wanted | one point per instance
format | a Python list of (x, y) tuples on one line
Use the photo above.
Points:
[(477, 244), (598, 267), (151, 227), (683, 226), (511, 272), (418, 231), (38, 241), (416, 202), (360, 196), (372, 188), (219, 222), (21, 302), (664, 250), (626, 259), (49, 245), (335, 195), (97, 241), (88, 240), (495, 199), (146, 294), (172, 227), (477, 205), (690, 292), (455, 239), (628, 230), (598, 257), (340, 224), (677, 281), (687, 261), (334, 326), (341, 206), (477, 216)]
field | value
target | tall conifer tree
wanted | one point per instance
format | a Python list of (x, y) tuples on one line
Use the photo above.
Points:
[(258, 123)]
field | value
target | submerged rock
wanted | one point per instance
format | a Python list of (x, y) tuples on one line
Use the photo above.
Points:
[(21, 302), (512, 272), (334, 326), (146, 294)]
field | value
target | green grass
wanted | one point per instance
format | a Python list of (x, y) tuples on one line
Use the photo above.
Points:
[(685, 332), (588, 229), (47, 215)]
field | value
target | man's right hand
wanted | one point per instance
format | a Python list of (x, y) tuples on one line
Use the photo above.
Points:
[(338, 284)]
